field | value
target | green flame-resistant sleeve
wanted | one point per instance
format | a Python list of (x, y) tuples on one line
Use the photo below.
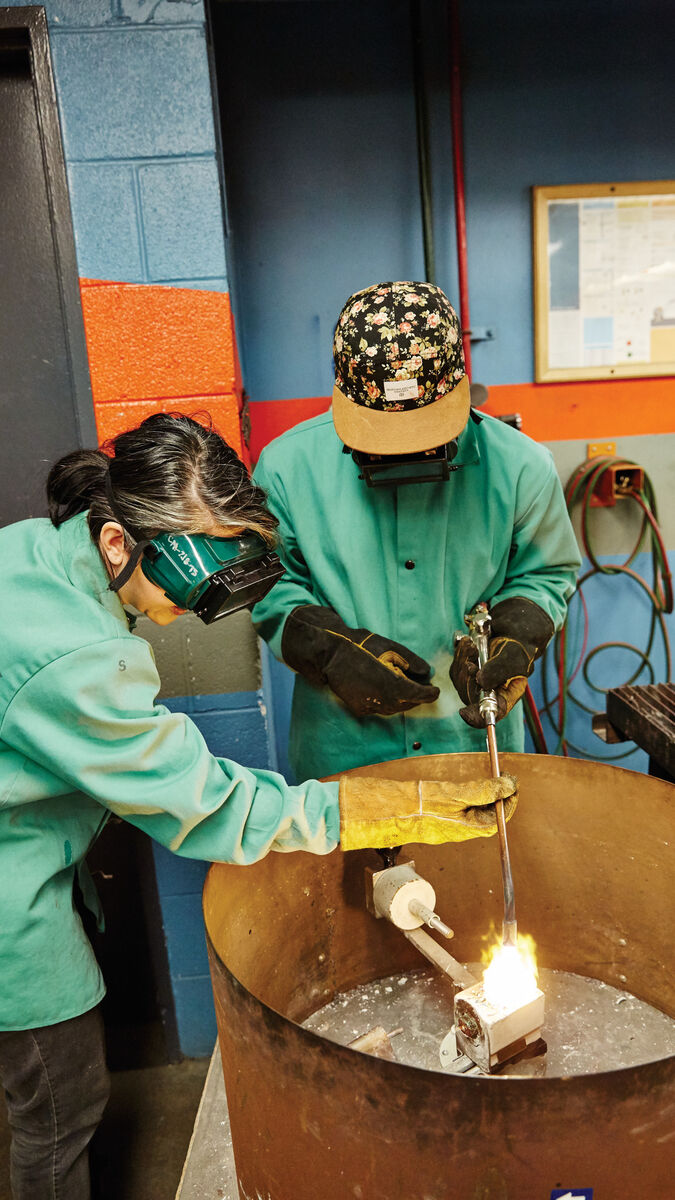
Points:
[(90, 719)]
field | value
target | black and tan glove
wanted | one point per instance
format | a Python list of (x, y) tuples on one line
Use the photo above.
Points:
[(520, 633), (369, 673), (391, 812)]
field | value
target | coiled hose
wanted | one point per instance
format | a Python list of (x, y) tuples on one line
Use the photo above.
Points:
[(584, 484)]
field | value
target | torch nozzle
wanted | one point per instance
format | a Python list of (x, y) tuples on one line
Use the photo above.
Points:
[(510, 933)]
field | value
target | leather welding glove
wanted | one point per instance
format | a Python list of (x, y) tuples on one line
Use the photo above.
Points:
[(520, 633), (392, 812), (369, 673)]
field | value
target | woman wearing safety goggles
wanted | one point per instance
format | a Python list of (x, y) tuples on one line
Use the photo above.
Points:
[(169, 521)]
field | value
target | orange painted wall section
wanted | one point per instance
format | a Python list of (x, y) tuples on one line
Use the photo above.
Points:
[(161, 349), (552, 412), (557, 412), (114, 418)]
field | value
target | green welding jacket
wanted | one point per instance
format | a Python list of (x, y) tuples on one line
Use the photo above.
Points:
[(81, 737), (408, 563)]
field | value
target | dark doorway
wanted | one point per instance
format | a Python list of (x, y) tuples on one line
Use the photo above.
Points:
[(138, 1009), (45, 397), (46, 410)]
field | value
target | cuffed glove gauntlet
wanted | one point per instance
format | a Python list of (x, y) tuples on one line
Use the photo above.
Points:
[(369, 673), (520, 633), (392, 812)]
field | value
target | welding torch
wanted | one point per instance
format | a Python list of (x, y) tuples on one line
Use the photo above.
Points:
[(479, 622)]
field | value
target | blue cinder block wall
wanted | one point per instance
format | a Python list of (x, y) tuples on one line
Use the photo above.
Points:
[(234, 727), (134, 94), (135, 104)]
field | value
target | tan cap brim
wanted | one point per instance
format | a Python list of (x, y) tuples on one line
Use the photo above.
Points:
[(376, 432)]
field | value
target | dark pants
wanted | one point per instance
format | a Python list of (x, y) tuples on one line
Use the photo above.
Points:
[(56, 1085)]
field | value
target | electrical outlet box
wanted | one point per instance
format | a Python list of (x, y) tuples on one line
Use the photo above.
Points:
[(617, 483), (627, 478)]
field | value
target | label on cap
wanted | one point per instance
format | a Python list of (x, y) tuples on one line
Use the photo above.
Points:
[(400, 389)]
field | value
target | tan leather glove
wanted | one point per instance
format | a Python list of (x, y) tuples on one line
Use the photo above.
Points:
[(392, 812)]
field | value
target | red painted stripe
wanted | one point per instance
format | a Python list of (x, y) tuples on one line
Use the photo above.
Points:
[(270, 418), (551, 412)]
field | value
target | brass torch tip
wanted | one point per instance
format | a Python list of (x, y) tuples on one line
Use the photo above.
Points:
[(510, 934)]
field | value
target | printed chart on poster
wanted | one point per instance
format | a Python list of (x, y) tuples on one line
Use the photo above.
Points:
[(604, 275)]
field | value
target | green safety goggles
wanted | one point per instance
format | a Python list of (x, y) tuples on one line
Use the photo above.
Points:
[(211, 576)]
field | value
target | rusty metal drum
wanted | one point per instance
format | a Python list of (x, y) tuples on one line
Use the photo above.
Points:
[(592, 849)]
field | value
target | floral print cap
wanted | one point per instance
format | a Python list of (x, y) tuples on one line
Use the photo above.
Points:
[(397, 349), (396, 332)]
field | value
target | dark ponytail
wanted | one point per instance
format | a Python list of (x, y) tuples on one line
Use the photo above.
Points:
[(170, 475), (76, 482)]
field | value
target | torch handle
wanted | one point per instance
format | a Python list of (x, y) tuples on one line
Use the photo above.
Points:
[(479, 623)]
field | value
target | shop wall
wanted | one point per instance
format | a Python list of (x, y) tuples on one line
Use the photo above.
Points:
[(557, 94), (320, 155), (319, 147), (134, 96)]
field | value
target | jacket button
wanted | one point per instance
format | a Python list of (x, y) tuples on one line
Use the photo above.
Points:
[(410, 565), (417, 745)]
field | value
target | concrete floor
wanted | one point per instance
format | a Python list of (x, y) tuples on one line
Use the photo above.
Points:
[(144, 1137), (209, 1172)]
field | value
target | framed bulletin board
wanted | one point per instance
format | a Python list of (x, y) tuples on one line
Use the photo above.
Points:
[(604, 280)]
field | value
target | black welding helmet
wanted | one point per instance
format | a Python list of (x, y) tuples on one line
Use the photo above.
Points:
[(394, 470), (210, 576)]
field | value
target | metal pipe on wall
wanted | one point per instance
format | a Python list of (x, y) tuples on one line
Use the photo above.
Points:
[(423, 156), (458, 177)]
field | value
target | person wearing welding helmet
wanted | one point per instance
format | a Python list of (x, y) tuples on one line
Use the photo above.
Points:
[(398, 512), (168, 522)]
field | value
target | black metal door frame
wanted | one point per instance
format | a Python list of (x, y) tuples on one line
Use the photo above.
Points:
[(23, 29)]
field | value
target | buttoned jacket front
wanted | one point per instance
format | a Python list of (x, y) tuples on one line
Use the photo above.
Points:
[(408, 563)]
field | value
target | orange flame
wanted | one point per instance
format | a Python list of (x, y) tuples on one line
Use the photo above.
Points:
[(510, 976)]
